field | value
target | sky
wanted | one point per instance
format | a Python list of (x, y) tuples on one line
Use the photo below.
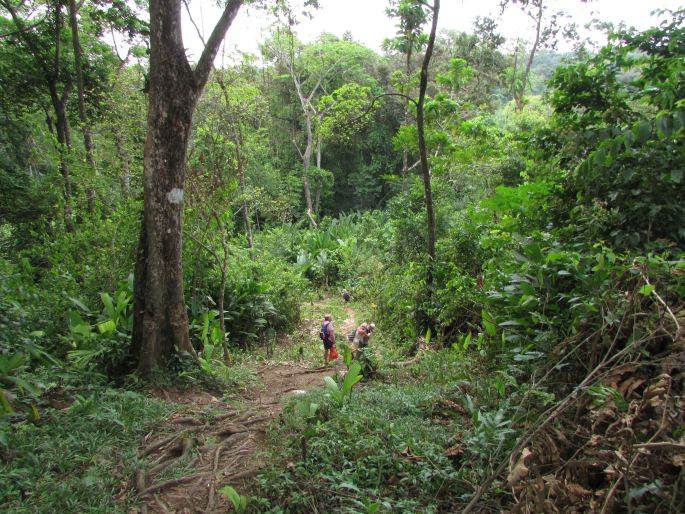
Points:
[(367, 22)]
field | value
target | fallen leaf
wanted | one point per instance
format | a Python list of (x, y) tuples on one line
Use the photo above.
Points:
[(520, 470), (454, 451), (578, 490), (408, 455)]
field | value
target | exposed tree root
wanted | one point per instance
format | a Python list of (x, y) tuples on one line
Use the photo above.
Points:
[(162, 506), (215, 450), (140, 480), (170, 483)]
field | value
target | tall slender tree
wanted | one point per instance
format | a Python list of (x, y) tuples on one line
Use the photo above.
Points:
[(43, 41), (547, 27), (160, 317), (410, 38), (423, 153), (81, 96)]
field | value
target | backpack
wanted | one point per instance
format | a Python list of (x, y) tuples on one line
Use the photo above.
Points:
[(323, 332)]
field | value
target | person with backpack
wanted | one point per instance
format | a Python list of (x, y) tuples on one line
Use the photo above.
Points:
[(327, 335)]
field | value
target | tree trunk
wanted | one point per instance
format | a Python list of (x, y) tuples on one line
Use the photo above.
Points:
[(405, 151), (306, 161), (428, 195), (319, 180), (161, 320), (120, 142), (222, 319), (159, 290), (64, 144), (531, 56), (222, 287), (125, 177), (240, 161), (87, 137)]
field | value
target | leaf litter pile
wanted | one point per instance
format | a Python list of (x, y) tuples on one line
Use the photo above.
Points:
[(616, 443)]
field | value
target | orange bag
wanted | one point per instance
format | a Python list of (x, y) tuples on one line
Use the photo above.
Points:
[(333, 354)]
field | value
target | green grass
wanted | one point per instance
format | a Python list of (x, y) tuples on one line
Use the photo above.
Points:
[(386, 446), (80, 459)]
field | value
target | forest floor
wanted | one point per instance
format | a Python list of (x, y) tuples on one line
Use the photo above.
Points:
[(209, 442)]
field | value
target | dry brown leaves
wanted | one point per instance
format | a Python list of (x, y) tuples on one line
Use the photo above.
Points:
[(629, 448)]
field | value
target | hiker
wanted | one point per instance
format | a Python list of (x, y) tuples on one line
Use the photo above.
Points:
[(327, 335), (361, 337), (346, 296)]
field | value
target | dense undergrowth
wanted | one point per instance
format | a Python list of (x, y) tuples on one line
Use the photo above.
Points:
[(398, 443)]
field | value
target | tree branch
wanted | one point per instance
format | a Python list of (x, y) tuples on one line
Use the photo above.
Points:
[(192, 21), (23, 29), (373, 102), (204, 65)]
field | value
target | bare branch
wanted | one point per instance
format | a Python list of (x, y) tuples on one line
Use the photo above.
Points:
[(206, 61), (23, 29), (375, 99), (192, 21)]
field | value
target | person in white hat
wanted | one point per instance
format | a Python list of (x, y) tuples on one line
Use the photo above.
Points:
[(361, 337)]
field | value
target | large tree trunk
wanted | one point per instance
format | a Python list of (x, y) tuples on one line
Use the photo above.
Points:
[(161, 320), (170, 112)]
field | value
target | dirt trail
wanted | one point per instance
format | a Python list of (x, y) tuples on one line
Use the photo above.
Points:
[(222, 449)]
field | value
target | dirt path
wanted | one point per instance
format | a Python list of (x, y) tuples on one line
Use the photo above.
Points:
[(222, 448)]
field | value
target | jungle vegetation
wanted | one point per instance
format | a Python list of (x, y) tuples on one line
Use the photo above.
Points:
[(511, 217)]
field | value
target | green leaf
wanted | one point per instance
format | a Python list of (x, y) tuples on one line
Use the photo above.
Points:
[(349, 485), (647, 289), (489, 323), (642, 131), (510, 323), (353, 376), (106, 327), (5, 404), (467, 340), (109, 305), (11, 363), (347, 356), (80, 305), (332, 387), (31, 388), (373, 508), (239, 501), (664, 126)]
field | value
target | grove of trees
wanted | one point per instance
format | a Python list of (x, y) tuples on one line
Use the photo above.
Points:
[(511, 217)]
